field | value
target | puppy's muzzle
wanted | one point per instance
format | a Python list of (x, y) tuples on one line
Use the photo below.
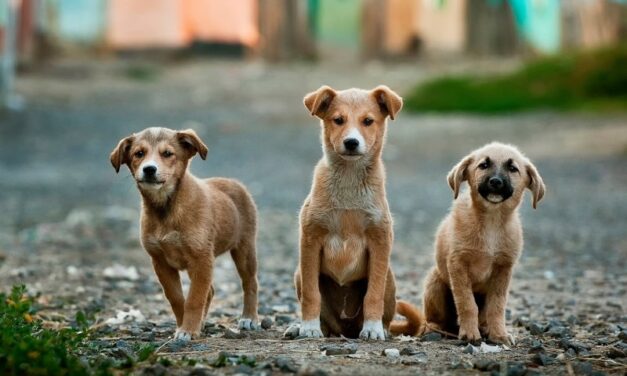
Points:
[(496, 188)]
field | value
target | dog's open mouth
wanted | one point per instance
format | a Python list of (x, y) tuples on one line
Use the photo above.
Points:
[(495, 198)]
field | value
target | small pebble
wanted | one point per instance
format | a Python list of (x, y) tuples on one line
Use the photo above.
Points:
[(266, 323), (392, 353), (536, 328), (409, 351), (431, 337), (349, 348), (462, 364), (470, 349)]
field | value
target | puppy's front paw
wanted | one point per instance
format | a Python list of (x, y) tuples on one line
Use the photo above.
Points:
[(470, 334), (247, 324), (183, 335), (505, 339), (372, 329), (310, 328)]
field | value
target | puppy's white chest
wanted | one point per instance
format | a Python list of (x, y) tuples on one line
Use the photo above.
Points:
[(492, 240), (345, 248)]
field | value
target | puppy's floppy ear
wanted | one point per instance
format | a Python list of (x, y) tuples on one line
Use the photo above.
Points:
[(536, 184), (191, 142), (318, 102), (119, 155), (458, 174), (389, 102)]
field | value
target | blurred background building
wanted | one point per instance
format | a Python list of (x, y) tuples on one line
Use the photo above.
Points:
[(277, 30)]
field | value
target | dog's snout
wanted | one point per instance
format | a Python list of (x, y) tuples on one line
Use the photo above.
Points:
[(495, 182), (351, 144), (150, 170)]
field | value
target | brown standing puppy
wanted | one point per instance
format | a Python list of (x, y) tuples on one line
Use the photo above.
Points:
[(186, 222), (477, 245), (344, 282)]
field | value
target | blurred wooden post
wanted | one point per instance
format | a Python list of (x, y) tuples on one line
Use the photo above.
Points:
[(490, 28), (284, 30), (373, 28)]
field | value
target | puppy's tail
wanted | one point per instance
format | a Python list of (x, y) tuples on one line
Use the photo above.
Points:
[(415, 322)]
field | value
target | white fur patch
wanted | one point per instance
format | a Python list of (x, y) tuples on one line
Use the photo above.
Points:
[(148, 163), (247, 324), (310, 328), (372, 329), (356, 134)]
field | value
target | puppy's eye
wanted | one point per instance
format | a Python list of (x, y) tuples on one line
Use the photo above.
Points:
[(167, 154), (484, 165), (368, 121), (338, 120), (139, 154), (513, 168)]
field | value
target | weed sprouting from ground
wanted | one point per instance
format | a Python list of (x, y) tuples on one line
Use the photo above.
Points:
[(27, 347)]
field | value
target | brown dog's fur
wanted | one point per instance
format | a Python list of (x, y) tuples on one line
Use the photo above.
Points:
[(186, 222), (477, 245), (344, 282)]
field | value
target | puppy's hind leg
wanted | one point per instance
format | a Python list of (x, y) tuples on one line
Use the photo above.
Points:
[(438, 311), (245, 258)]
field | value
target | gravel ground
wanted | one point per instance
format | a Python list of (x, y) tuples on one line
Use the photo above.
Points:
[(69, 224)]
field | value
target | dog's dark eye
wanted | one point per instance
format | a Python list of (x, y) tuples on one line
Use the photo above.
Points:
[(167, 154), (338, 120), (513, 168), (484, 165), (368, 121), (139, 154)]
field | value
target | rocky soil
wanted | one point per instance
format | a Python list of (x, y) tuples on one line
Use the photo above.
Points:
[(69, 225)]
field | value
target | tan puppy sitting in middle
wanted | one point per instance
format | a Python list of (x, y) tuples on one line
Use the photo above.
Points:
[(344, 282)]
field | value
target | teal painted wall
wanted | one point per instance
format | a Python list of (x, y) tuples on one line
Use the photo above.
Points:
[(539, 22), (81, 20), (338, 21)]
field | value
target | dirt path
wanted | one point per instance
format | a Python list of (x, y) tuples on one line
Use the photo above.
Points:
[(67, 216)]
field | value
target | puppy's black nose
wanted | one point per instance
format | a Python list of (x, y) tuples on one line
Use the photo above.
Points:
[(495, 182), (150, 170), (351, 144)]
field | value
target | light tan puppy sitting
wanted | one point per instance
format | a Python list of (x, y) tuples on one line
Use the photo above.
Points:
[(344, 282), (186, 222), (477, 245)]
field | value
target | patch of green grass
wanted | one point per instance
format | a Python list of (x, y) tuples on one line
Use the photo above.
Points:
[(26, 348), (595, 81), (142, 72), (29, 348)]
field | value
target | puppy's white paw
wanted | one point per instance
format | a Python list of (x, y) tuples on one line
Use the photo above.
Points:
[(310, 328), (372, 329), (247, 324), (182, 335)]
